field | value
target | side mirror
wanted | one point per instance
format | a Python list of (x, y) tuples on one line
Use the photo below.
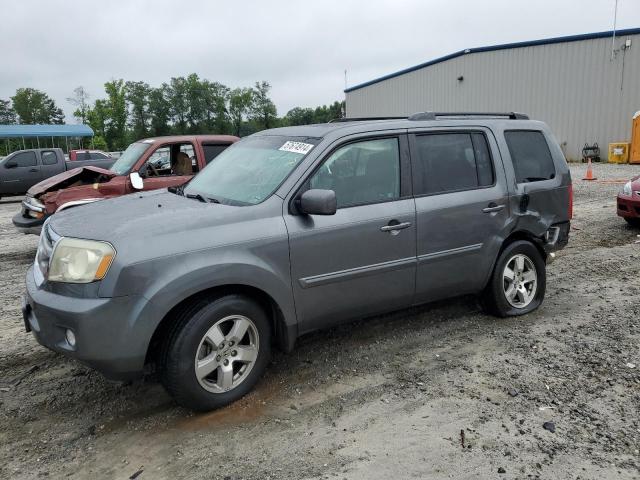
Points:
[(136, 180), (318, 202), (11, 164)]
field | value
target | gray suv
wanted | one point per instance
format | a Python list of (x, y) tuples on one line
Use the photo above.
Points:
[(295, 229)]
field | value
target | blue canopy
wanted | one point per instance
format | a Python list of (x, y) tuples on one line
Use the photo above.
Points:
[(16, 131)]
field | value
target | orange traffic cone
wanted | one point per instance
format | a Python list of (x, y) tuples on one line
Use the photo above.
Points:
[(589, 175)]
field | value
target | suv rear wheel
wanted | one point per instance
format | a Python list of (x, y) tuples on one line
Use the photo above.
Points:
[(217, 352), (518, 282)]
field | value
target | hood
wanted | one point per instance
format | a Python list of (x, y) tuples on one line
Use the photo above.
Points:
[(160, 223), (76, 176)]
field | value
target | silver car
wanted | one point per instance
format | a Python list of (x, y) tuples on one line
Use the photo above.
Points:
[(296, 229)]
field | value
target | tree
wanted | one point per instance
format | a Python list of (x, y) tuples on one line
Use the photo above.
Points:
[(116, 109), (177, 98), (97, 118), (35, 107), (7, 113), (159, 110), (299, 116), (263, 110), (137, 94), (80, 100), (216, 97), (240, 102)]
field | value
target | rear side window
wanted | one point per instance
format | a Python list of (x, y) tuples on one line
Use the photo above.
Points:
[(530, 155), (25, 159), (83, 156), (361, 172), (49, 157), (212, 151), (449, 162), (98, 156)]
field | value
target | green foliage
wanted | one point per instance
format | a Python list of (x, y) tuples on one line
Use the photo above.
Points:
[(307, 116), (116, 110), (100, 143), (133, 110), (240, 102), (7, 113), (263, 110), (80, 100), (35, 107), (137, 94)]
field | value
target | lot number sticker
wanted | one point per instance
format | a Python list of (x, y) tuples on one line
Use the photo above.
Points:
[(296, 147)]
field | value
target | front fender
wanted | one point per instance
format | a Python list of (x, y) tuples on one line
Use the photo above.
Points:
[(167, 281)]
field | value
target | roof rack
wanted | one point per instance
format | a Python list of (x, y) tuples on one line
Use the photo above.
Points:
[(360, 119), (435, 115)]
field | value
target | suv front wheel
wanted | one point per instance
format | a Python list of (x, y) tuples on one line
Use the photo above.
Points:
[(518, 282), (217, 352)]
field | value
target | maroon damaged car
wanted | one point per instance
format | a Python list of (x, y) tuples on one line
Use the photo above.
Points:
[(148, 164)]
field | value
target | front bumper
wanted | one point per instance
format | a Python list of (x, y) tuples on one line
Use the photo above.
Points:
[(104, 328), (28, 225), (629, 206)]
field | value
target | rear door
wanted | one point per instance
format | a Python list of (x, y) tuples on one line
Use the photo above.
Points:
[(355, 263), (461, 207), (20, 172), (51, 164)]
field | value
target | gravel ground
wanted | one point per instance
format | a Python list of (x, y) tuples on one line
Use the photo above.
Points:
[(441, 391)]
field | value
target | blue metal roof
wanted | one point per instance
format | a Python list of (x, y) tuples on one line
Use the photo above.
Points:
[(504, 46), (14, 131)]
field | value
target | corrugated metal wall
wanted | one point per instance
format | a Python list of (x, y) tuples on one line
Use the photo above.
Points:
[(575, 87)]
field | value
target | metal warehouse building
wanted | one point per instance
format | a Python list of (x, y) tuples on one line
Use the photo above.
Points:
[(586, 87)]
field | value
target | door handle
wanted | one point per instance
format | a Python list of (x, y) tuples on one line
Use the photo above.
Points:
[(395, 225), (33, 169), (492, 207)]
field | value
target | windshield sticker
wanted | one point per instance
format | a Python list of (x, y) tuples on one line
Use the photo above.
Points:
[(296, 147)]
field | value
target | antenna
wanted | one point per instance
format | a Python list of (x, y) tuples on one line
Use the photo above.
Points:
[(613, 38)]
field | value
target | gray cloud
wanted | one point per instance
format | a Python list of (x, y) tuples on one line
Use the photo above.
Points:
[(301, 47)]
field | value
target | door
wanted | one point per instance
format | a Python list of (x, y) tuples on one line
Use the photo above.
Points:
[(462, 210), (361, 260), (50, 163), (169, 165), (19, 173)]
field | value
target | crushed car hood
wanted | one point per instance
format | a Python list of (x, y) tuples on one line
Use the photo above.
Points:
[(84, 175)]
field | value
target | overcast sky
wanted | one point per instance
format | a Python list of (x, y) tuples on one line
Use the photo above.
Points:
[(301, 47)]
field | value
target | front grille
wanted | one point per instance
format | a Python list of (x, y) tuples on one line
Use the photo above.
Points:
[(48, 239)]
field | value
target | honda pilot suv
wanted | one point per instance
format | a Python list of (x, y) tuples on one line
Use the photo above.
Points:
[(296, 229)]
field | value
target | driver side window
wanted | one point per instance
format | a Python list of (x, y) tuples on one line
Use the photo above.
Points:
[(361, 172), (171, 160)]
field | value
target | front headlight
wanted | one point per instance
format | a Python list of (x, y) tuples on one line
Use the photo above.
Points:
[(626, 190), (80, 261)]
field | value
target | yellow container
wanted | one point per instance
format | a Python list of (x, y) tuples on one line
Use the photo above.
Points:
[(634, 154), (619, 152)]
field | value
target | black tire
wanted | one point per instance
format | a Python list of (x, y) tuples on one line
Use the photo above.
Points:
[(494, 298), (634, 222), (178, 358)]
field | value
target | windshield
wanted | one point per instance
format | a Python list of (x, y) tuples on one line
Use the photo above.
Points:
[(129, 157), (249, 171)]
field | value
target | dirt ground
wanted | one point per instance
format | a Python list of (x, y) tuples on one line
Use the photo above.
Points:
[(442, 391)]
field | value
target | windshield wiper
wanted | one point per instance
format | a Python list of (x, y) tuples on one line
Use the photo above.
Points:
[(213, 200), (197, 196)]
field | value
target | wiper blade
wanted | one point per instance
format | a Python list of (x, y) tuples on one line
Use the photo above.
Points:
[(197, 196), (177, 190), (213, 200)]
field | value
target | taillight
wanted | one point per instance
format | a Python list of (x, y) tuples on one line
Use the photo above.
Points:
[(570, 201)]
